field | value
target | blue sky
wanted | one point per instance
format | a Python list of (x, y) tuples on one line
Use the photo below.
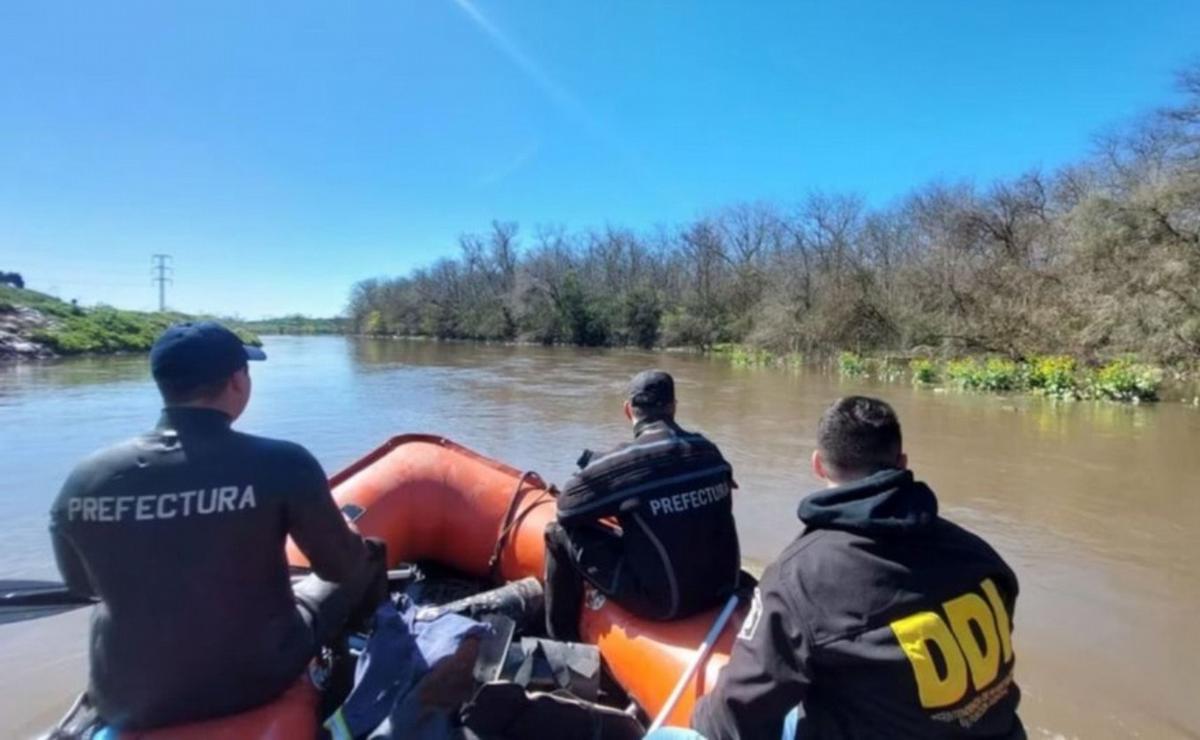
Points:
[(281, 151)]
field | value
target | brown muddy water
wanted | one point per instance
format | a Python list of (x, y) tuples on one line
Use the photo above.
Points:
[(1096, 506)]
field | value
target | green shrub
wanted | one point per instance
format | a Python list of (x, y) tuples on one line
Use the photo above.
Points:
[(965, 373), (924, 372), (852, 365), (1125, 379), (996, 374), (1053, 375), (102, 329), (742, 356), (1001, 375)]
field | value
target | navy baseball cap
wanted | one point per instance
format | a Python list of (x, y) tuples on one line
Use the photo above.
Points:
[(651, 389), (199, 352)]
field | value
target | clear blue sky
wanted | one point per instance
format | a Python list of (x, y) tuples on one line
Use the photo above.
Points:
[(281, 151)]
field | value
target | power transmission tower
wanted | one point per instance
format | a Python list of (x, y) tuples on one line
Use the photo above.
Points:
[(161, 268)]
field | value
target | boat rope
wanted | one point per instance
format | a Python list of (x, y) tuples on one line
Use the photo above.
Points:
[(512, 519)]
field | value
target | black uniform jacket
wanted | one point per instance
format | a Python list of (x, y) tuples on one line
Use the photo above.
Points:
[(180, 533), (670, 492), (882, 620)]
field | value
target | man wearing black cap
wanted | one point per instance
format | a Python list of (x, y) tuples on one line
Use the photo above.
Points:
[(675, 551), (180, 533)]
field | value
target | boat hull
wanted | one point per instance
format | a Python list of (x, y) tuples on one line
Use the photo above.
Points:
[(432, 499)]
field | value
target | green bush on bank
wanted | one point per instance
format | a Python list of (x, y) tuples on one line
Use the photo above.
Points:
[(741, 355), (852, 365), (750, 357), (1054, 376), (993, 374), (924, 371), (72, 329), (1125, 379)]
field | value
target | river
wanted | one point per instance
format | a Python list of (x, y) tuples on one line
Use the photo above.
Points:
[(1096, 506)]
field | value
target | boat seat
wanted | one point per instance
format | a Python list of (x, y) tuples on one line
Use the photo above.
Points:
[(293, 716)]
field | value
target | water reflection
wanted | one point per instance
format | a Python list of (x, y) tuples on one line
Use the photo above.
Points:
[(32, 377)]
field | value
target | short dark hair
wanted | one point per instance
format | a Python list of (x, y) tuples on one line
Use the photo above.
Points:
[(174, 393), (858, 435), (652, 413)]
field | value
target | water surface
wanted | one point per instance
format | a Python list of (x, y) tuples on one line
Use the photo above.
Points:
[(1095, 506)]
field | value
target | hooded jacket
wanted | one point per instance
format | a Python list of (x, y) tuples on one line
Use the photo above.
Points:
[(670, 491), (881, 620)]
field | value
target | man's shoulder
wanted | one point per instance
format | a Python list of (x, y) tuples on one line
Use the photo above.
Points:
[(806, 543), (111, 458), (817, 560), (101, 466), (692, 435), (964, 538), (289, 463), (281, 449)]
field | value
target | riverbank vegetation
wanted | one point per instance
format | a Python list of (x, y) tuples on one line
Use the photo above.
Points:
[(1053, 376), (1053, 276), (298, 324), (38, 325)]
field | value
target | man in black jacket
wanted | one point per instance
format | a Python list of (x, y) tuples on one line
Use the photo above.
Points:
[(675, 551), (882, 620), (180, 533)]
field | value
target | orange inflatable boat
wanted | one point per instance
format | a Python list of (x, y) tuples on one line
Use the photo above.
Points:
[(433, 500)]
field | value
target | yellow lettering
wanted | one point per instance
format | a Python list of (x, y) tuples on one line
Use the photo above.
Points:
[(915, 633), (1004, 626), (983, 660)]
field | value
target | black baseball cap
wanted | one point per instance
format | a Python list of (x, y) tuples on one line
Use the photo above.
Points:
[(198, 352), (651, 389)]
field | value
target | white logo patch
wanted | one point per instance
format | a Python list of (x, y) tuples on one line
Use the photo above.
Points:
[(161, 505), (750, 625), (688, 500)]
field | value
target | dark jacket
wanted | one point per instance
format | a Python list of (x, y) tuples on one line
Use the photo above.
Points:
[(670, 492), (882, 620), (181, 533)]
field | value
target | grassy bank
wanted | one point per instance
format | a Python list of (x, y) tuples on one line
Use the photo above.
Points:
[(298, 324), (56, 327), (1122, 379)]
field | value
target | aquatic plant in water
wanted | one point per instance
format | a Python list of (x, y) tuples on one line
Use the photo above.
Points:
[(924, 372), (995, 374), (1053, 375), (852, 365), (1125, 379)]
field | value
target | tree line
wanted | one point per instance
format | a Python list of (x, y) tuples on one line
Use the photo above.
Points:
[(1097, 259)]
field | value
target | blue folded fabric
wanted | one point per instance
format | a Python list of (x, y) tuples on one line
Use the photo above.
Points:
[(399, 653)]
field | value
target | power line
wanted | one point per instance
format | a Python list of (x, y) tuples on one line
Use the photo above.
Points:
[(160, 266)]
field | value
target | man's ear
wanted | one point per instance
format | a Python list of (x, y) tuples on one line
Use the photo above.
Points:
[(628, 408), (239, 381), (902, 463), (818, 466)]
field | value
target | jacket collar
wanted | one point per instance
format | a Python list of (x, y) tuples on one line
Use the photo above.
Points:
[(889, 501), (193, 419), (646, 425)]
